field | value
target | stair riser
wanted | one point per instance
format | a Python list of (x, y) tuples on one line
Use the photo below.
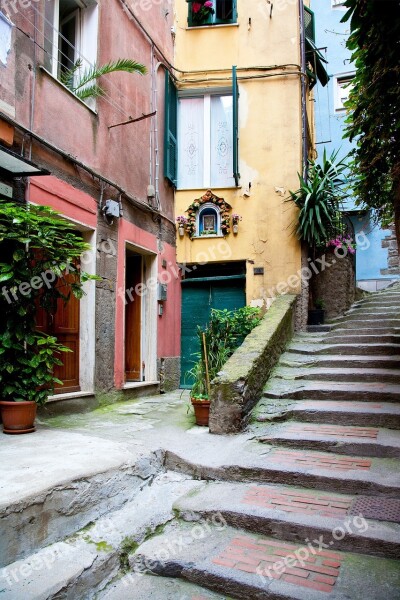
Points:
[(338, 394), (357, 331), (357, 419), (338, 446), (365, 377), (324, 362), (296, 532), (285, 477), (358, 349), (67, 509), (361, 339), (359, 324)]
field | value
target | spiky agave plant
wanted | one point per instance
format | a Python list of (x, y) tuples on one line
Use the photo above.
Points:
[(85, 85), (319, 199)]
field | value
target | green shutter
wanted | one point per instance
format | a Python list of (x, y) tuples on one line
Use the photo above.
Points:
[(309, 24), (235, 88), (171, 130)]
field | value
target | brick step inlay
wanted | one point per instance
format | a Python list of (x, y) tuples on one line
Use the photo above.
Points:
[(333, 430), (312, 567), (297, 502), (319, 461)]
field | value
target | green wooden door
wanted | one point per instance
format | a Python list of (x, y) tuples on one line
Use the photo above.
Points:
[(198, 298)]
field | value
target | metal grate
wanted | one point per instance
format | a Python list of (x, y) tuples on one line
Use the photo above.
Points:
[(379, 509)]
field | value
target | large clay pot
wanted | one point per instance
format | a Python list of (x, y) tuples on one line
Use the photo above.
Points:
[(18, 417), (201, 411)]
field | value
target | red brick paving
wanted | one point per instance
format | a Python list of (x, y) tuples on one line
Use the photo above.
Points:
[(319, 461), (267, 559), (298, 502), (333, 430)]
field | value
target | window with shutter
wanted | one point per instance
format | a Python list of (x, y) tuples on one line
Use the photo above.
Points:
[(171, 127), (309, 24)]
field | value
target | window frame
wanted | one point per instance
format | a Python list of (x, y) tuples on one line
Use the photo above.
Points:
[(86, 46), (171, 150), (207, 207), (346, 78), (213, 21)]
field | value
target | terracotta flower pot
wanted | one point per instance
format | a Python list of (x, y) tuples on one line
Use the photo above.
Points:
[(201, 411), (18, 417)]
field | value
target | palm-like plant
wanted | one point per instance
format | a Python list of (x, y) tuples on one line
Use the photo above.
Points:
[(319, 199), (85, 85)]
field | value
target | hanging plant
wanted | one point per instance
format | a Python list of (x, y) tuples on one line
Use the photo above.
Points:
[(209, 198)]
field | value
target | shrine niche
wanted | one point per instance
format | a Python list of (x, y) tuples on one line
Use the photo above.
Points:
[(208, 216)]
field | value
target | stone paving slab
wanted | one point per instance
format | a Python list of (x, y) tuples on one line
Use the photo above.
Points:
[(259, 567), (332, 390), (340, 361), (343, 439), (265, 463), (344, 374), (380, 414), (143, 587), (292, 513)]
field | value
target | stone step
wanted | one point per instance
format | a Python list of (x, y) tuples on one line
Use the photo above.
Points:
[(360, 349), (245, 566), (335, 374), (85, 563), (387, 309), (68, 488), (361, 338), (339, 361), (319, 470), (332, 390), (135, 586), (359, 323), (296, 514), (351, 440), (336, 330), (380, 414)]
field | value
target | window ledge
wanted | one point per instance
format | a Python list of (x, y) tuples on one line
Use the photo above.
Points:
[(139, 384), (207, 237), (204, 190), (212, 26), (92, 110)]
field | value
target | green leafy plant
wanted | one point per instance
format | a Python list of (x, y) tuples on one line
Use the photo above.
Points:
[(319, 200), (85, 85), (39, 257), (225, 332), (319, 304)]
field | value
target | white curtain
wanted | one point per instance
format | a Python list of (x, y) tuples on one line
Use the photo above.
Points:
[(222, 141), (191, 142)]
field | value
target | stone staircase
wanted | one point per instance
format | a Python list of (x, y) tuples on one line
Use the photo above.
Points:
[(305, 505), (321, 479)]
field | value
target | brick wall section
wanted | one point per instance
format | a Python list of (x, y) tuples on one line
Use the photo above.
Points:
[(290, 458), (333, 430), (297, 502), (318, 570)]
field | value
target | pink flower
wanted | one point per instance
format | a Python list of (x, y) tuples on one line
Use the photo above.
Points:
[(208, 4), (196, 6)]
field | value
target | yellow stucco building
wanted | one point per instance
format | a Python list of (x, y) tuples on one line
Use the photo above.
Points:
[(240, 124)]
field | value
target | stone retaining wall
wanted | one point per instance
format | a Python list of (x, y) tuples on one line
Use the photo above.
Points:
[(239, 386)]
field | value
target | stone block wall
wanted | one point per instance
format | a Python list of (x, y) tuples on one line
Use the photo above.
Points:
[(239, 386), (335, 285)]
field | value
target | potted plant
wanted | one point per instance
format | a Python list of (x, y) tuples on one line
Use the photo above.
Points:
[(182, 222), (201, 11), (224, 333), (39, 268), (317, 315), (235, 222)]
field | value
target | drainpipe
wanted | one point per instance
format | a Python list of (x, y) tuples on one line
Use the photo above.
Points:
[(303, 89)]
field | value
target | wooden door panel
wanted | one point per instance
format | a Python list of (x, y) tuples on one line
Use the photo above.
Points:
[(68, 373), (133, 316)]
